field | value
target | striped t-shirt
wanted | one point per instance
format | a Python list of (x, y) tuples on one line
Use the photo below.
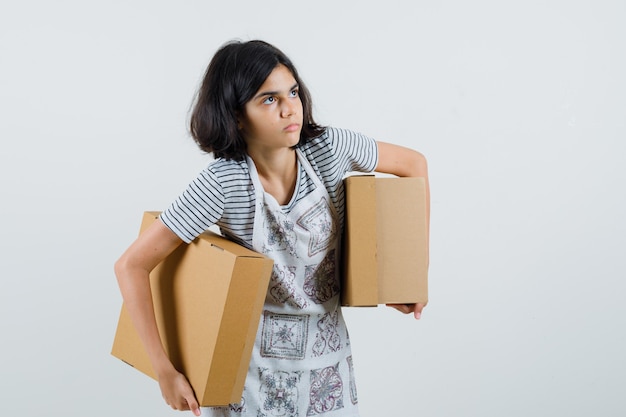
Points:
[(223, 193)]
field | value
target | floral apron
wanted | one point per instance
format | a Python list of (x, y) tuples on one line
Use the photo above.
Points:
[(301, 364)]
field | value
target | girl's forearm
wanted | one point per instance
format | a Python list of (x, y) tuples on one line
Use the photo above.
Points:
[(135, 288)]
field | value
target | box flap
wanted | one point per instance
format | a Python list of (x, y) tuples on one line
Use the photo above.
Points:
[(401, 225), (360, 271), (232, 343)]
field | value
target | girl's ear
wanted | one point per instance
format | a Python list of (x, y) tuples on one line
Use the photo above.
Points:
[(239, 124)]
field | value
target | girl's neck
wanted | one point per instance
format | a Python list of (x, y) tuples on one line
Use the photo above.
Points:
[(278, 173)]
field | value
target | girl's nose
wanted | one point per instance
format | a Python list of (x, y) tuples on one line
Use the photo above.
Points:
[(289, 108)]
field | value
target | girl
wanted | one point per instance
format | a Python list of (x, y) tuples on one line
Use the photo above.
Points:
[(275, 186)]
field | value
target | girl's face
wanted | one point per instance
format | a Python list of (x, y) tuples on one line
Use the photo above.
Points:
[(272, 119)]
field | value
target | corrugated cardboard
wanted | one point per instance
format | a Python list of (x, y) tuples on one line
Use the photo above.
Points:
[(208, 298), (385, 242)]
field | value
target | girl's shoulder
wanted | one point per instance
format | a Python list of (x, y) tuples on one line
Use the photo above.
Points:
[(336, 140), (223, 176), (325, 141), (336, 134), (221, 168)]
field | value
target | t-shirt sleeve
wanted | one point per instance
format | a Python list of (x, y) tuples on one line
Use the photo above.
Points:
[(354, 151), (199, 207)]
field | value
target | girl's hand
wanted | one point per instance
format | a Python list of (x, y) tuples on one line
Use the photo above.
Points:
[(177, 392), (416, 309)]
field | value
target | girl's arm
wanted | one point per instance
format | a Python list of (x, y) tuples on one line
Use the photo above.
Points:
[(133, 276), (405, 162)]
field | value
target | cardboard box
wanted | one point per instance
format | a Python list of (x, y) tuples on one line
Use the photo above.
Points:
[(208, 298), (385, 242)]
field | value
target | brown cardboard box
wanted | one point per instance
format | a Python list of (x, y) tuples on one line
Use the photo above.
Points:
[(385, 242), (208, 298)]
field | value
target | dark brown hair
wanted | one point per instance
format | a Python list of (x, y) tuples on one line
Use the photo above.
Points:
[(234, 75)]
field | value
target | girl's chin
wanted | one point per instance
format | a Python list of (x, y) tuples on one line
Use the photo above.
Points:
[(294, 138)]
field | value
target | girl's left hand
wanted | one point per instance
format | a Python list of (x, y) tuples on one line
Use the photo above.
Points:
[(416, 309)]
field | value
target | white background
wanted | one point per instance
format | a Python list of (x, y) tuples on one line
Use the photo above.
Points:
[(519, 106)]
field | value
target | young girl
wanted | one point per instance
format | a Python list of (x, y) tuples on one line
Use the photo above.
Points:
[(275, 186)]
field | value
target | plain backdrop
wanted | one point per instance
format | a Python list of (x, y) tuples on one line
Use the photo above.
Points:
[(519, 107)]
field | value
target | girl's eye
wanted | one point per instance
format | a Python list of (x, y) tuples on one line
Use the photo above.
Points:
[(269, 100), (294, 93)]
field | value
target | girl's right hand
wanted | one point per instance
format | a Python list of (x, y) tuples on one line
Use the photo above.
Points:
[(177, 392)]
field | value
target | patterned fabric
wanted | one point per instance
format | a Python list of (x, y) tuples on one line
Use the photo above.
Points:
[(284, 336), (279, 393), (326, 391)]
